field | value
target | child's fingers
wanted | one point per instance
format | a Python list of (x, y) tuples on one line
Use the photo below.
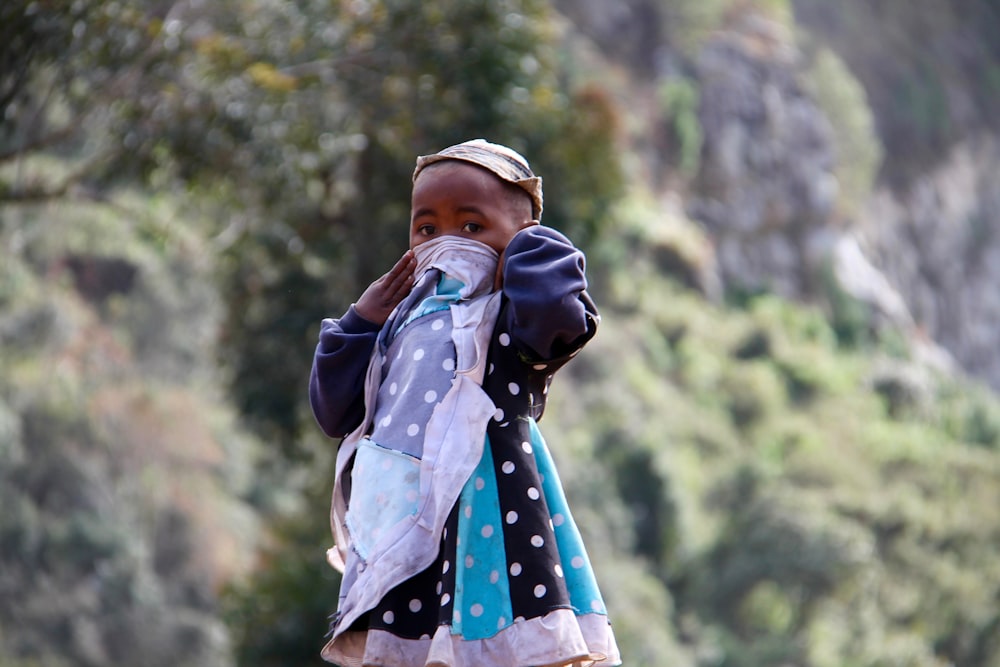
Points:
[(400, 276), (404, 263), (384, 294)]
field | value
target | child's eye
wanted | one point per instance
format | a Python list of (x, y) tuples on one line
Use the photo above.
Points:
[(471, 227), (425, 230)]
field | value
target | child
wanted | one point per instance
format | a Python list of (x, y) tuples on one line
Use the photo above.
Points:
[(452, 530)]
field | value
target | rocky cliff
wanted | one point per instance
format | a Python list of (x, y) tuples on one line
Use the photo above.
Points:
[(850, 151)]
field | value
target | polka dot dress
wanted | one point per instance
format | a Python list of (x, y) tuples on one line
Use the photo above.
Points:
[(510, 552)]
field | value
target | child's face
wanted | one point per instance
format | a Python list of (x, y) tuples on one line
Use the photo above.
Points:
[(454, 198)]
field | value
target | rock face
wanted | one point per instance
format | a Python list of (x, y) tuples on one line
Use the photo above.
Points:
[(924, 254), (922, 251), (938, 242), (765, 191)]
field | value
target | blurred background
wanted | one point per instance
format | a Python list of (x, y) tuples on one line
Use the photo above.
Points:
[(783, 446)]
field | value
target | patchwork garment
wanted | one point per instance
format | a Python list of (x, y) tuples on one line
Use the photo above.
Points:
[(461, 552)]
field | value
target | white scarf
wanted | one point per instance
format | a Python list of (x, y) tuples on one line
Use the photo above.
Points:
[(471, 262)]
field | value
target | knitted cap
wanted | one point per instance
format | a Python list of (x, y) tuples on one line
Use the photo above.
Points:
[(505, 162)]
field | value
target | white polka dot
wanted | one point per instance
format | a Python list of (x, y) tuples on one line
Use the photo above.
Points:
[(412, 430), (393, 388), (540, 591), (438, 589), (418, 354), (468, 511), (438, 325), (445, 599), (515, 569), (577, 562), (415, 605), (476, 610), (540, 367), (448, 365), (519, 619), (456, 616), (533, 493), (507, 467), (444, 534), (498, 415), (501, 623), (386, 421), (445, 568), (537, 541), (487, 531), (504, 339), (513, 388), (425, 637), (526, 446), (558, 519), (480, 484), (559, 571), (494, 577), (469, 561), (596, 605), (511, 517), (388, 618), (430, 396), (490, 371)]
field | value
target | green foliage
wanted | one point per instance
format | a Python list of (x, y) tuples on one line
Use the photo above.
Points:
[(281, 615), (120, 473), (679, 99), (969, 414), (798, 506), (859, 154), (687, 23)]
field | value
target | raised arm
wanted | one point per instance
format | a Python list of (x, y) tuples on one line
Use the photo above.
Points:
[(551, 315)]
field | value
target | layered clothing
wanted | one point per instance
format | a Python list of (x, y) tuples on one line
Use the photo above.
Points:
[(451, 526)]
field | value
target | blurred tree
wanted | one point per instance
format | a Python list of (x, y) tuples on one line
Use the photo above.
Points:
[(293, 126), (410, 80)]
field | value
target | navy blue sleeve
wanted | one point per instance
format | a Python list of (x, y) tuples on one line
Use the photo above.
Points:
[(337, 381), (550, 315)]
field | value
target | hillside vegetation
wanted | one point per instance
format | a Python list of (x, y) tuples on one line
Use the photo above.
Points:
[(186, 189)]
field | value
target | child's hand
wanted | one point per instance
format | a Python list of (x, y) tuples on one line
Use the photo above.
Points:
[(385, 293)]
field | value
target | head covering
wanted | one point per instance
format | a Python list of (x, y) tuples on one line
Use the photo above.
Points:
[(506, 163)]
